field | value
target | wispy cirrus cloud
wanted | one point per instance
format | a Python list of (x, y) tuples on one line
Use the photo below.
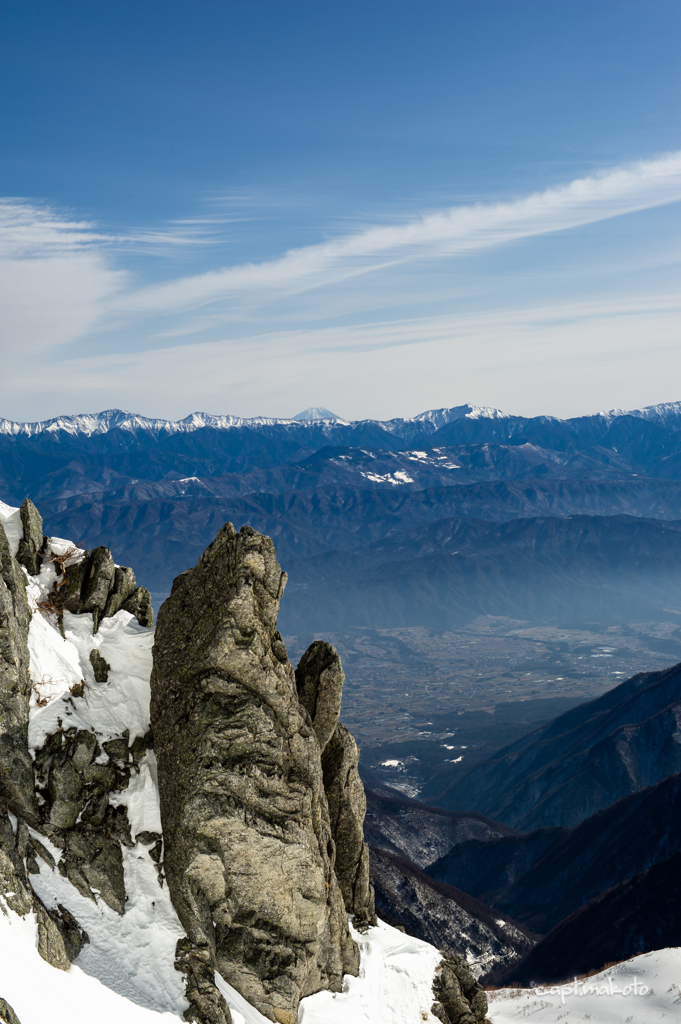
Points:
[(566, 359), (31, 230), (451, 232), (63, 280), (56, 279)]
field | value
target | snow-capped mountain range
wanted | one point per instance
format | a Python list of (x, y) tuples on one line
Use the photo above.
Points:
[(87, 424)]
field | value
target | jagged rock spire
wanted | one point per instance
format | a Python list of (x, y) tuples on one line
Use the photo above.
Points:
[(250, 850)]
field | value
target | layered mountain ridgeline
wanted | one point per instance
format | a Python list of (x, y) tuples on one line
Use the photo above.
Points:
[(333, 491), (420, 833), (544, 876), (612, 569), (229, 835), (443, 915), (640, 914), (580, 762)]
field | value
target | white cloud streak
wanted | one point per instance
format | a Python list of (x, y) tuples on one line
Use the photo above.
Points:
[(28, 231), (55, 280), (451, 232)]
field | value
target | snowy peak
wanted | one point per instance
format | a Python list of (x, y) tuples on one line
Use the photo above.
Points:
[(316, 412), (89, 424), (666, 413)]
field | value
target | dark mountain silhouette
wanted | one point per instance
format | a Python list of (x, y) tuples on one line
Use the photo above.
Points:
[(640, 914), (582, 761), (542, 877)]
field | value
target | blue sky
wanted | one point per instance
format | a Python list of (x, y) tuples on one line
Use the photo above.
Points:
[(378, 207)]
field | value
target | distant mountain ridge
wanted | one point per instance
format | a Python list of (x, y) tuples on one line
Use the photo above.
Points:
[(641, 913), (98, 423), (667, 413), (370, 493), (542, 877)]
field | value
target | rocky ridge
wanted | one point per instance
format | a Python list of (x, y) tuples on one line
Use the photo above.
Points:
[(454, 922), (61, 790), (260, 835)]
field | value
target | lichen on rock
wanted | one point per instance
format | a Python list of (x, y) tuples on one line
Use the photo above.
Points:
[(249, 850)]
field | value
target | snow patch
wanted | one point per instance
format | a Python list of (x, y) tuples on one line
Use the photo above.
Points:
[(394, 984), (11, 520), (60, 663), (38, 992)]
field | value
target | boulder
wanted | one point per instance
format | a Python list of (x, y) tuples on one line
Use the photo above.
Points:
[(98, 582), (249, 850), (124, 585), (139, 605), (100, 666), (72, 585), (460, 999)]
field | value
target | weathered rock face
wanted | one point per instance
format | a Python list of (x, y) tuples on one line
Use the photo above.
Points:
[(460, 999), (249, 853), (75, 812), (31, 543), (319, 680), (347, 806), (16, 769), (96, 584), (60, 939), (64, 792)]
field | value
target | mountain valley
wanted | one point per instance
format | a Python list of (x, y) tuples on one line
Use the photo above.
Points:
[(504, 596)]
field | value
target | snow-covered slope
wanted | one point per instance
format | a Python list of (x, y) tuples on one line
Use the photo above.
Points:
[(394, 986), (642, 990), (667, 414)]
